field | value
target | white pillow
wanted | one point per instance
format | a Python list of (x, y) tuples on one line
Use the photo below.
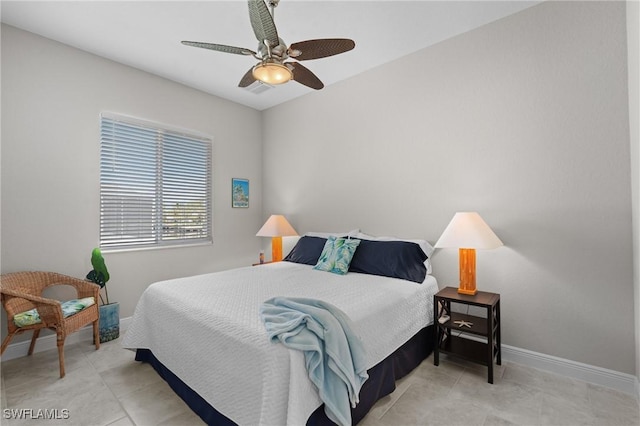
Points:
[(351, 233), (424, 245)]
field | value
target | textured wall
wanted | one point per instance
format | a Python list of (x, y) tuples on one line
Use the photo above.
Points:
[(52, 97), (633, 46), (524, 120)]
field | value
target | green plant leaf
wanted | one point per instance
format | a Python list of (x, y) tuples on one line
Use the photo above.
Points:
[(100, 268)]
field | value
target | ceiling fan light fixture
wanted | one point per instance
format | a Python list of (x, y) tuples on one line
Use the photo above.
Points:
[(272, 73)]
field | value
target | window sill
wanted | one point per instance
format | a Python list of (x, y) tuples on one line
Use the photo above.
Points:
[(162, 247)]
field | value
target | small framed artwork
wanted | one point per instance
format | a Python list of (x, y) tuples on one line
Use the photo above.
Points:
[(240, 193)]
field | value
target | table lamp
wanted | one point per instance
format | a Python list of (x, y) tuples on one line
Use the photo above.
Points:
[(276, 227), (468, 232)]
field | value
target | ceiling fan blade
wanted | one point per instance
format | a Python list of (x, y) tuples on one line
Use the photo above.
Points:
[(320, 48), (302, 75), (262, 23), (247, 79), (220, 48)]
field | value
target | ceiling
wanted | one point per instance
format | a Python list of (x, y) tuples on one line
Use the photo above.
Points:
[(147, 34)]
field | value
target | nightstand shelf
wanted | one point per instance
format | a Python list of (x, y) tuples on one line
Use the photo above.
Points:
[(482, 342), (468, 349), (479, 326)]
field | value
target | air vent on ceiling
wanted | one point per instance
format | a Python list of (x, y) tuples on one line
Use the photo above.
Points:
[(258, 87)]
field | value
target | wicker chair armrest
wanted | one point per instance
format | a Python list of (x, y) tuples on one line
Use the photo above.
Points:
[(50, 310), (34, 299)]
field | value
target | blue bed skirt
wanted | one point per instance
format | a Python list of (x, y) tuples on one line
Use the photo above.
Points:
[(381, 382)]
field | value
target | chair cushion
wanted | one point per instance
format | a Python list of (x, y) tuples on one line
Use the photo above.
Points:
[(69, 308)]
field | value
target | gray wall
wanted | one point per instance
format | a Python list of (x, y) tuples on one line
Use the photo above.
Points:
[(633, 46), (52, 97), (525, 121)]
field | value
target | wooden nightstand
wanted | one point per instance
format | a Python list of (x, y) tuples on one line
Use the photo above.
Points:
[(265, 263), (483, 350)]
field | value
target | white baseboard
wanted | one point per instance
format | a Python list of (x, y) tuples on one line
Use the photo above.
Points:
[(45, 343), (589, 373)]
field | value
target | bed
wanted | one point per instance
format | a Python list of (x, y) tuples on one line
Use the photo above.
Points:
[(203, 334)]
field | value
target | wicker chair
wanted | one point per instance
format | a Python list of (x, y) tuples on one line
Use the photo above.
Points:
[(22, 291)]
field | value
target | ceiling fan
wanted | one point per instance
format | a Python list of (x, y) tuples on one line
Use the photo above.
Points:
[(272, 52)]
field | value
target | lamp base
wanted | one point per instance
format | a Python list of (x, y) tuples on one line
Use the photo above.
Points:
[(276, 249), (467, 271), (467, 292)]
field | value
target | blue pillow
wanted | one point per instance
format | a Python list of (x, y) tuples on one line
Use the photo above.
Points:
[(307, 250), (395, 259), (336, 255)]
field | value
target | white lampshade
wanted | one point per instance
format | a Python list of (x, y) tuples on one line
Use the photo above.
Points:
[(468, 230), (276, 226)]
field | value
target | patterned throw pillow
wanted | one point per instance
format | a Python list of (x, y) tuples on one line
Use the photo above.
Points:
[(336, 255)]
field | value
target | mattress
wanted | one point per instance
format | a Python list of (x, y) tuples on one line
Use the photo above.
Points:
[(207, 330)]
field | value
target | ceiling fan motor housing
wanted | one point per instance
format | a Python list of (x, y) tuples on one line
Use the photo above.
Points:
[(278, 52)]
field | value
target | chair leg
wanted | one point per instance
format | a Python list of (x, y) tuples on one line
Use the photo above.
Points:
[(61, 355), (96, 333), (6, 341), (36, 334)]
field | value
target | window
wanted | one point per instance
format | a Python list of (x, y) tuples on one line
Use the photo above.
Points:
[(155, 185)]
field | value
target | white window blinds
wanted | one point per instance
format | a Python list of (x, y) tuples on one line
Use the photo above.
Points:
[(155, 185)]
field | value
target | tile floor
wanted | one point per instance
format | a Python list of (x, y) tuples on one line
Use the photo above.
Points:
[(107, 387)]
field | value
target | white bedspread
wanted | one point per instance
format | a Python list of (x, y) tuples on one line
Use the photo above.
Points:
[(207, 330)]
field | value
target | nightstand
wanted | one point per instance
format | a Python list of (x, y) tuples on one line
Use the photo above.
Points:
[(265, 263), (483, 342)]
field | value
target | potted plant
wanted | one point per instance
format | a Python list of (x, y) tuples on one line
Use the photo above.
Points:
[(109, 312)]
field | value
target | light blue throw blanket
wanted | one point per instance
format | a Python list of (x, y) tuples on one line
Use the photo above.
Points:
[(333, 353)]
